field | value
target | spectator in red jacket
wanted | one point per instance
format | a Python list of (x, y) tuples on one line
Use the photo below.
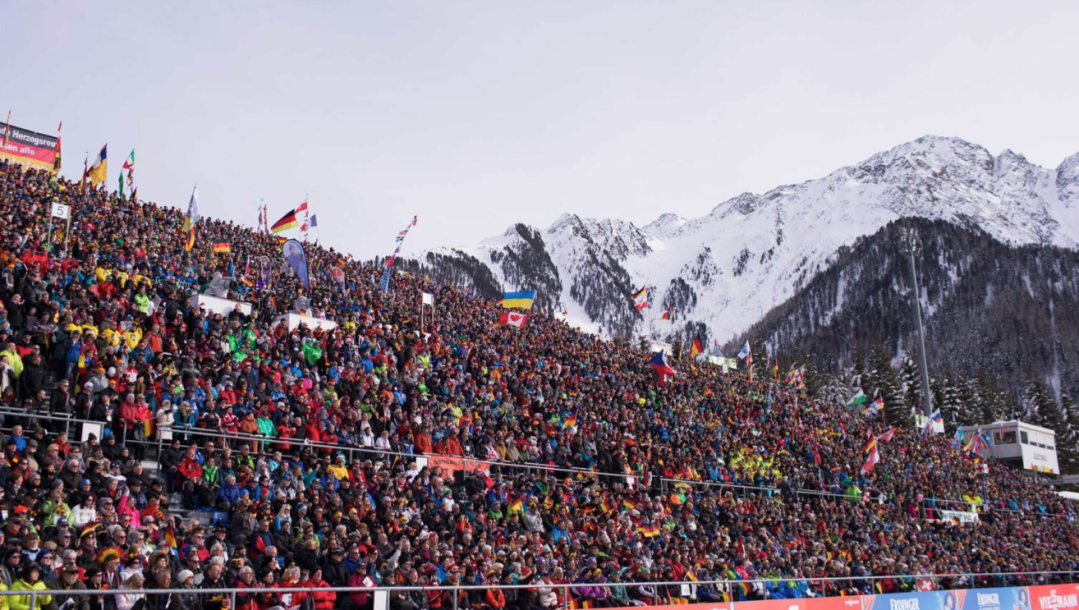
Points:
[(324, 599)]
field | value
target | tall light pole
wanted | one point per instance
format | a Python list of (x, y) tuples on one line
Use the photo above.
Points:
[(911, 245)]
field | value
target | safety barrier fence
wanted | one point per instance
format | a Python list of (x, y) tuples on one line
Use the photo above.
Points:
[(467, 464), (1043, 590)]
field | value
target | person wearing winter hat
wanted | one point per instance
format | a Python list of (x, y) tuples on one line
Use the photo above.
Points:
[(188, 599), (185, 578)]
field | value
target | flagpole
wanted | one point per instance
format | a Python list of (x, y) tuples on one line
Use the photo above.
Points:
[(67, 229)]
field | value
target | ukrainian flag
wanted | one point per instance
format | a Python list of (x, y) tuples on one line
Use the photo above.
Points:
[(522, 300)]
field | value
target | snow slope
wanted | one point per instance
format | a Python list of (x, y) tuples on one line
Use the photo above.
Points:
[(727, 269)]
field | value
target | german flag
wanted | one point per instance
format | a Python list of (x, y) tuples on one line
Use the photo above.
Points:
[(288, 221), (222, 247), (697, 348), (629, 505), (649, 531), (605, 507)]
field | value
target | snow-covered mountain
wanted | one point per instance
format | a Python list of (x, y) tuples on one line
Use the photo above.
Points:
[(726, 270)]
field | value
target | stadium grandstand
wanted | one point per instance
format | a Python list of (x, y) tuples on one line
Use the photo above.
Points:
[(160, 455)]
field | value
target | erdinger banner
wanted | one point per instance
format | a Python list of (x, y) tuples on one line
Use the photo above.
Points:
[(28, 148), (1015, 598), (915, 600)]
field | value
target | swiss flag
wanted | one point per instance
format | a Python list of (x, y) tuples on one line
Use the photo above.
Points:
[(510, 318)]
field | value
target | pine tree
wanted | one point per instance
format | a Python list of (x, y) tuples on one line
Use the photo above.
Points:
[(948, 404), (858, 366), (886, 382), (1043, 410), (993, 401), (814, 378), (1067, 443), (969, 409), (835, 388), (911, 382)]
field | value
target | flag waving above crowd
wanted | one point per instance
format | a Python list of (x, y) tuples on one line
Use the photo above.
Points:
[(640, 299), (384, 282)]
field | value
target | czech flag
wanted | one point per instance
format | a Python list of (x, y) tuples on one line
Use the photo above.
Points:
[(288, 221), (522, 300), (659, 362)]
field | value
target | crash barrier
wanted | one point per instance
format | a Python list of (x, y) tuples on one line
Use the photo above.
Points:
[(960, 511), (1051, 590)]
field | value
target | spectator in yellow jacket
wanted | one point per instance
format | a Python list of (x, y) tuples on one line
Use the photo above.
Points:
[(30, 581)]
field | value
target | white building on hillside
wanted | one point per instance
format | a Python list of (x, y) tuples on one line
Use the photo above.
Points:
[(1018, 444)]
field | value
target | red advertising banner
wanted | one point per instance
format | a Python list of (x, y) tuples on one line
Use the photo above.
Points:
[(451, 464), (833, 603), (28, 148), (1046, 597), (1054, 597), (774, 604)]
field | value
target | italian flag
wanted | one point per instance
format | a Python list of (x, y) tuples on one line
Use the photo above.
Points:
[(857, 399)]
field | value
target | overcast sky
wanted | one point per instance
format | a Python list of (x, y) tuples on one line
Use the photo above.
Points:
[(475, 115)]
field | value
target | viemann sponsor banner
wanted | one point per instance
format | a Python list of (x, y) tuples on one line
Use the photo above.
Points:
[(1047, 597), (28, 148), (1054, 597)]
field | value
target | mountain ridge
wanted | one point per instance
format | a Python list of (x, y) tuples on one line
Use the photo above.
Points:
[(727, 269)]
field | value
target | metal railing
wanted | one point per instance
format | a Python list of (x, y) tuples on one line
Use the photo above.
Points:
[(191, 432), (724, 586)]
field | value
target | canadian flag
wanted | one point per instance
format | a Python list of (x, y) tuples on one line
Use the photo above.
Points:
[(509, 318)]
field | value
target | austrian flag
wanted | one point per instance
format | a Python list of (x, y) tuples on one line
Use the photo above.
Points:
[(510, 318)]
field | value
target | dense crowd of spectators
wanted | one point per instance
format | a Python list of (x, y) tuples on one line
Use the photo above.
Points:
[(595, 472)]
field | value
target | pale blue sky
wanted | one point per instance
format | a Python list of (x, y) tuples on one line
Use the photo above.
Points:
[(475, 115)]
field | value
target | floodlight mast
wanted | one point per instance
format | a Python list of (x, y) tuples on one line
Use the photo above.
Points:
[(911, 245)]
